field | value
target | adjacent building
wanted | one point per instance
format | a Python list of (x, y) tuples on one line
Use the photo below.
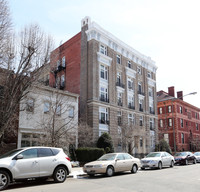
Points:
[(178, 121), (116, 83), (48, 117)]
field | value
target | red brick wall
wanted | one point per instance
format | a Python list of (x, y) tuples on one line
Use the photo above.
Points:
[(71, 49)]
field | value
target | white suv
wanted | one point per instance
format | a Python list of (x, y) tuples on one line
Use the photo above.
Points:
[(34, 162)]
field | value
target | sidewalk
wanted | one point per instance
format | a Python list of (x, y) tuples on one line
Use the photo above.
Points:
[(77, 171)]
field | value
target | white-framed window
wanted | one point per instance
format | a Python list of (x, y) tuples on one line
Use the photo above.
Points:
[(119, 117), (118, 59), (182, 138), (169, 109), (58, 110), (150, 92), (181, 109), (103, 49), (103, 72), (161, 123), (103, 115), (62, 81), (130, 83), (141, 120), (119, 98), (103, 93), (119, 77), (30, 105), (129, 64), (46, 107), (181, 121), (197, 126), (131, 119), (149, 74), (141, 104), (63, 61), (130, 101), (160, 110), (151, 123), (139, 87), (166, 137), (170, 122), (139, 71), (58, 63), (71, 112)]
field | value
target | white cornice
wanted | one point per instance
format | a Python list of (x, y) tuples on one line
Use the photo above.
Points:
[(130, 72), (98, 33), (104, 59)]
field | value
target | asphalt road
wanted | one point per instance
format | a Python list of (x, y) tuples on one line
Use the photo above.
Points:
[(179, 178)]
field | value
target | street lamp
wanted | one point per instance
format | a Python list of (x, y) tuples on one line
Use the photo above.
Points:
[(192, 93)]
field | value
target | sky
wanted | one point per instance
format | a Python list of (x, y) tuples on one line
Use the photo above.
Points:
[(166, 30)]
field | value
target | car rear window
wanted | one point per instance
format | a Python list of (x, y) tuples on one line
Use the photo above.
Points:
[(45, 152), (55, 151)]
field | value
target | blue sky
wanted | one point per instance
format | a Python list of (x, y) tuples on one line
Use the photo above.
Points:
[(166, 30)]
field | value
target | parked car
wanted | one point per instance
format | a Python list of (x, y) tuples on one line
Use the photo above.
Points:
[(157, 160), (33, 163), (111, 163), (197, 155), (184, 158)]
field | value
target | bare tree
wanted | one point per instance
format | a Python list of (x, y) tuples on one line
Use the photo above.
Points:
[(21, 55), (59, 124)]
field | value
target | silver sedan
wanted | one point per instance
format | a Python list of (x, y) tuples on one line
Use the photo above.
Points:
[(157, 160)]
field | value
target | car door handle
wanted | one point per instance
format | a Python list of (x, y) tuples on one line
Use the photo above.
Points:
[(54, 159), (35, 162)]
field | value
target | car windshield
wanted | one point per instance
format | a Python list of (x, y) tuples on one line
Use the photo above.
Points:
[(197, 153), (10, 153), (181, 154), (107, 157), (154, 155)]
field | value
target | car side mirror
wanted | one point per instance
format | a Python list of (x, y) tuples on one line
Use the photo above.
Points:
[(20, 156)]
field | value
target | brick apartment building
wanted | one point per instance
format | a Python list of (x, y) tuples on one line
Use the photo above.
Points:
[(116, 83), (178, 121)]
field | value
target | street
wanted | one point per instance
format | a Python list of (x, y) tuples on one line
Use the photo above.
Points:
[(179, 178)]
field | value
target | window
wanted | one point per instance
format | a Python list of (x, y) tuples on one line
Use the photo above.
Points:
[(139, 71), (118, 59), (45, 152), (197, 126), (30, 153), (166, 137), (58, 110), (141, 120), (127, 156), (182, 138), (104, 72), (58, 64), (103, 94), (196, 116), (170, 122), (131, 119), (130, 84), (141, 142), (169, 109), (141, 105), (129, 64), (160, 110), (62, 83), (46, 107), (103, 115), (181, 110), (150, 92), (119, 118), (63, 61), (130, 101), (30, 105), (161, 123), (181, 122), (103, 49), (149, 75), (118, 78), (139, 88), (151, 123), (120, 157), (119, 98), (71, 112)]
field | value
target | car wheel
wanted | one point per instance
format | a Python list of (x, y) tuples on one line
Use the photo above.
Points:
[(134, 169), (195, 161), (172, 164), (4, 180), (60, 174), (160, 165), (186, 162), (110, 171)]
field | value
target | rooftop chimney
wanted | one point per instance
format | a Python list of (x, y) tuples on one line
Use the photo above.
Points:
[(180, 95), (171, 91)]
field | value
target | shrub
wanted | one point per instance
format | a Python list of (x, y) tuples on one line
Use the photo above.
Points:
[(88, 154), (163, 146), (105, 141)]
